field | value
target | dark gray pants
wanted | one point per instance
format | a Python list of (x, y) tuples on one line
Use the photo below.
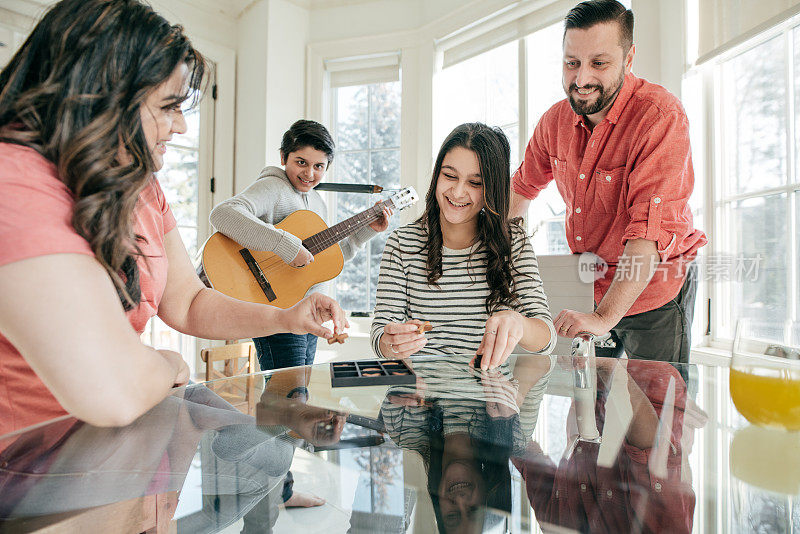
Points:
[(663, 334)]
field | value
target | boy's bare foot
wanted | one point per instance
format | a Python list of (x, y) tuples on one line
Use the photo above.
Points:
[(303, 500)]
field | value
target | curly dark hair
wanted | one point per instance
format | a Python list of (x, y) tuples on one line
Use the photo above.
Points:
[(73, 93), (494, 227)]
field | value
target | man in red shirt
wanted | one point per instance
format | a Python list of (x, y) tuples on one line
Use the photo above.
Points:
[(618, 149)]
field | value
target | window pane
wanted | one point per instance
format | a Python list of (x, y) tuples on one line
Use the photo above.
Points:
[(512, 132), (759, 274), (546, 219), (545, 56), (796, 41), (179, 180), (352, 167), (386, 168), (754, 96), (546, 214), (385, 109), (375, 159), (692, 99), (352, 117), (484, 88)]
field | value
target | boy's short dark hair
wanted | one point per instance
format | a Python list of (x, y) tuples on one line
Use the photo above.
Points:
[(305, 133), (587, 14)]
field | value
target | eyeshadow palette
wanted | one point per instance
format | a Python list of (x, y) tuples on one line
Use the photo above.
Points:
[(371, 373)]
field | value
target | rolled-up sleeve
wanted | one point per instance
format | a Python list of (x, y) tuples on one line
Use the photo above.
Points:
[(535, 171), (660, 183)]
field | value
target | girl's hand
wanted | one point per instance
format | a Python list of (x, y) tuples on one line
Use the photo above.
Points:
[(401, 340), (504, 329), (496, 385), (308, 315), (382, 223)]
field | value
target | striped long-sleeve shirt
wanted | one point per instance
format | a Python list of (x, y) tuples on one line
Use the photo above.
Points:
[(456, 305), (453, 387)]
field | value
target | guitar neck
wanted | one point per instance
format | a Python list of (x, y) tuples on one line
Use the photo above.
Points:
[(330, 236)]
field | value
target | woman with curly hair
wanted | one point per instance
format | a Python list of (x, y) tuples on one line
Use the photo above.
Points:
[(463, 266), (89, 249)]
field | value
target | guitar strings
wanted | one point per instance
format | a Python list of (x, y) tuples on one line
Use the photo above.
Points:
[(276, 264), (324, 243)]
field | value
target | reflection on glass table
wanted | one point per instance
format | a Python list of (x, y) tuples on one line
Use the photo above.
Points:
[(461, 450)]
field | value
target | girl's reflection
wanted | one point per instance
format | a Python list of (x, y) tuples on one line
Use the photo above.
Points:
[(466, 424)]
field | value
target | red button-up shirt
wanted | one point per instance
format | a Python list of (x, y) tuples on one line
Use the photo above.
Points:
[(628, 178)]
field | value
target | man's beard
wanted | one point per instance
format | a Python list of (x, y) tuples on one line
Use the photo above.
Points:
[(604, 97)]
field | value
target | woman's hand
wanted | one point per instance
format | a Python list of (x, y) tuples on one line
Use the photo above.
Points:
[(401, 340), (504, 329), (308, 315), (181, 369), (382, 223), (303, 258)]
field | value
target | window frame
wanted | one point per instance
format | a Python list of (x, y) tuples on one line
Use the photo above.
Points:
[(719, 203), (331, 198)]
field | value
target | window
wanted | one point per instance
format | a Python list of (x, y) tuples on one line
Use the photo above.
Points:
[(180, 180), (487, 88), (366, 129), (547, 214), (754, 268)]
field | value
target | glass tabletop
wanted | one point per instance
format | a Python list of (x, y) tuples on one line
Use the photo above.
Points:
[(535, 445)]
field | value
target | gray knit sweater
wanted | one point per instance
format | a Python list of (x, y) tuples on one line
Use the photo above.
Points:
[(248, 217)]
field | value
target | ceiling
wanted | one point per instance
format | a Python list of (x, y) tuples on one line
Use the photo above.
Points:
[(230, 8)]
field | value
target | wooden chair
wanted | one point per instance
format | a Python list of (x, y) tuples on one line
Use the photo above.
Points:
[(238, 359)]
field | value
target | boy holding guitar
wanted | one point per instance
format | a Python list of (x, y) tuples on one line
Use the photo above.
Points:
[(249, 218)]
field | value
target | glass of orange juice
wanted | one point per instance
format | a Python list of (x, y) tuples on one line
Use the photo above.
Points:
[(765, 373)]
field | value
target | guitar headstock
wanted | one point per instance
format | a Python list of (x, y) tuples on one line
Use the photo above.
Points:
[(404, 198)]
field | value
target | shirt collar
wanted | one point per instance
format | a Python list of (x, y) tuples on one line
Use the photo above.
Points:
[(618, 105)]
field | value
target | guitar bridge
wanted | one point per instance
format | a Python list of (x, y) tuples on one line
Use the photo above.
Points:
[(258, 274)]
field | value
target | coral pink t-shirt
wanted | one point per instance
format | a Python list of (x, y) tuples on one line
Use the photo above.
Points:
[(35, 213)]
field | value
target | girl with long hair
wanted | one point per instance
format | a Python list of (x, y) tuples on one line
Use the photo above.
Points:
[(89, 249), (463, 266)]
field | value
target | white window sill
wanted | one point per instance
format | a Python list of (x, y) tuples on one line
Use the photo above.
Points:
[(710, 356)]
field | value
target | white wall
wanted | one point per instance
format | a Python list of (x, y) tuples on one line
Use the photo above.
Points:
[(272, 37), (660, 37), (286, 72), (251, 102)]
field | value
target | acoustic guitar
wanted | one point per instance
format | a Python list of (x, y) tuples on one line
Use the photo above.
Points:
[(262, 276)]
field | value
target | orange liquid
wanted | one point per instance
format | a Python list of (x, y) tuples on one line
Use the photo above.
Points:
[(767, 400)]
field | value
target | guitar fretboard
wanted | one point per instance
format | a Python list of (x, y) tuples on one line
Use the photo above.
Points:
[(328, 237)]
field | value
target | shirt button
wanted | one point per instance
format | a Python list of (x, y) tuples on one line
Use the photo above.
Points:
[(608, 178), (578, 238), (577, 210), (609, 493), (583, 488), (657, 486), (580, 450), (582, 176), (556, 494), (657, 200)]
